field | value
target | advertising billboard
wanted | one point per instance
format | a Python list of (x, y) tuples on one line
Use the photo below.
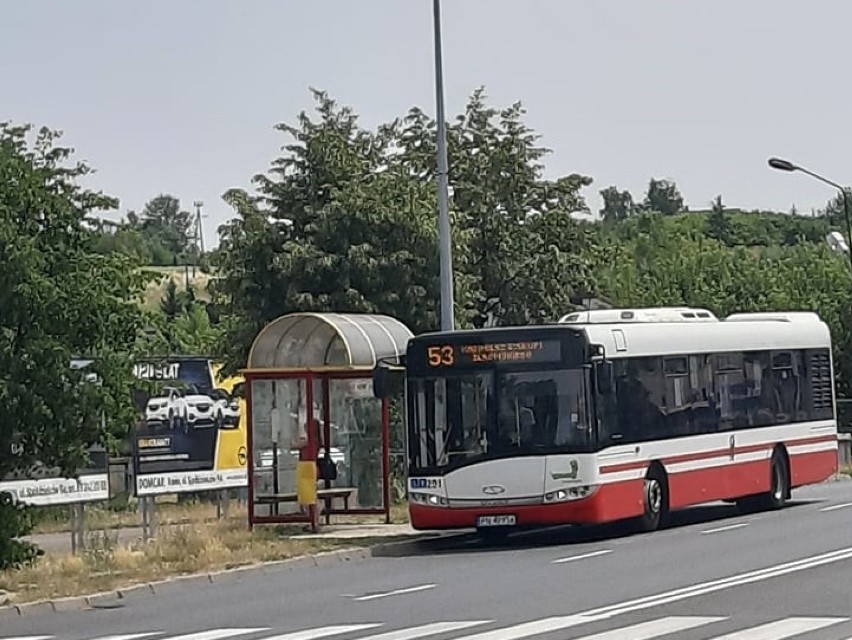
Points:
[(191, 431)]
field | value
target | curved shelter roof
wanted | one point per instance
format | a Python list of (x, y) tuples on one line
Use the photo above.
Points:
[(328, 340)]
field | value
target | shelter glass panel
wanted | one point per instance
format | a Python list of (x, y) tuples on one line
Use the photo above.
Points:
[(279, 420), (356, 441)]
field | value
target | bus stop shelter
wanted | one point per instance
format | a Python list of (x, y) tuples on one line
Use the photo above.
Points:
[(318, 438)]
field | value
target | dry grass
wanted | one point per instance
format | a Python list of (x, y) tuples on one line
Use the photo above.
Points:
[(157, 289), (187, 549), (169, 513), (845, 470), (98, 518)]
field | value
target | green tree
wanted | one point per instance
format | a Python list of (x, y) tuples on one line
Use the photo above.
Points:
[(663, 196), (718, 225), (617, 205), (59, 300)]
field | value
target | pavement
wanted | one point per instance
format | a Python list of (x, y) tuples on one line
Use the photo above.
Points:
[(713, 574)]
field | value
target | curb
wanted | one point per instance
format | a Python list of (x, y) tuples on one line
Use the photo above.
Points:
[(117, 597)]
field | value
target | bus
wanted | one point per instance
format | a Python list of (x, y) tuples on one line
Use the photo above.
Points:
[(616, 414)]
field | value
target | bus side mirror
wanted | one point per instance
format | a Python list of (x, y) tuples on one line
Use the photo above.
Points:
[(381, 382), (603, 375)]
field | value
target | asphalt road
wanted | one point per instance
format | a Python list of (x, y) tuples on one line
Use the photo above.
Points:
[(715, 572)]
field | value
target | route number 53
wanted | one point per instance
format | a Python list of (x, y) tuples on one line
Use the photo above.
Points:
[(441, 356)]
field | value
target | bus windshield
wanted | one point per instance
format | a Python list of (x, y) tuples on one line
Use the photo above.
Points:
[(458, 419)]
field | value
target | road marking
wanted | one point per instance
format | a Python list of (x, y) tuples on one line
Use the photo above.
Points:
[(527, 629), (324, 632), (723, 583), (28, 638), (593, 554), (781, 629), (217, 634), (653, 628), (558, 623), (396, 592), (729, 527), (426, 630), (132, 636), (834, 507)]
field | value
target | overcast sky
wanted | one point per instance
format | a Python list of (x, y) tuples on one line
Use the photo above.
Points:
[(181, 96)]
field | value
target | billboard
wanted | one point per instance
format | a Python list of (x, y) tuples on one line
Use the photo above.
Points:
[(191, 431), (41, 486)]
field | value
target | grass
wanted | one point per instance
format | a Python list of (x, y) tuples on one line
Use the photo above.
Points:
[(168, 513), (181, 550), (845, 470), (174, 513), (157, 289)]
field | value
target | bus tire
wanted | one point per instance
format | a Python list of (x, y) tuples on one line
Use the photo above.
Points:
[(779, 488), (655, 498), (779, 484)]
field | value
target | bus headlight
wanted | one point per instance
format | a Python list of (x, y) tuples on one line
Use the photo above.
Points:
[(570, 493), (429, 499)]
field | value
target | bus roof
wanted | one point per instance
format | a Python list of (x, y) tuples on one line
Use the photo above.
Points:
[(628, 333)]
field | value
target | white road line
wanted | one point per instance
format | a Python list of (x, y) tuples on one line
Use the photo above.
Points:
[(719, 585), (653, 628), (527, 629), (583, 556), (781, 629), (834, 507), (28, 638), (426, 630), (324, 632), (729, 527), (396, 592), (217, 634), (133, 636), (558, 623)]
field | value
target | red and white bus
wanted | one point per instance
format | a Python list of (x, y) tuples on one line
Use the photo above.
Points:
[(616, 414)]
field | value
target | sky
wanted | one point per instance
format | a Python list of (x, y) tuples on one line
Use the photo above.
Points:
[(182, 97)]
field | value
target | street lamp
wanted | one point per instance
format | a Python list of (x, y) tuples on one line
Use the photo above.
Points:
[(444, 243), (786, 165)]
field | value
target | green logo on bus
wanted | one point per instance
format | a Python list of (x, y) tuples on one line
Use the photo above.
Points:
[(567, 475)]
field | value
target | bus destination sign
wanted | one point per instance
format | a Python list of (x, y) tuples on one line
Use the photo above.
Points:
[(531, 351)]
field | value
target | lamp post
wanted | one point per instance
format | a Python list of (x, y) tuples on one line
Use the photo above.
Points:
[(786, 165), (444, 242)]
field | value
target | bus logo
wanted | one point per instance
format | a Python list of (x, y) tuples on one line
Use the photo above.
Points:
[(493, 489)]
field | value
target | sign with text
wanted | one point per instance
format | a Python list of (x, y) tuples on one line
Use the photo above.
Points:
[(191, 432), (42, 486), (494, 353)]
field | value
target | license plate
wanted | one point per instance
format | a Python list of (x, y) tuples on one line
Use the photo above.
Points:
[(495, 521)]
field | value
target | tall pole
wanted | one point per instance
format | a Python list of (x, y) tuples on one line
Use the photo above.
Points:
[(444, 238)]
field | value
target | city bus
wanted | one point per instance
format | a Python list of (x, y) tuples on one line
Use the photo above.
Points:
[(616, 414)]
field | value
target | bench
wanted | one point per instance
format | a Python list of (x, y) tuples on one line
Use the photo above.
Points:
[(326, 495)]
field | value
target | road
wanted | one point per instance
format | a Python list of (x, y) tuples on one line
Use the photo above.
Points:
[(714, 574)]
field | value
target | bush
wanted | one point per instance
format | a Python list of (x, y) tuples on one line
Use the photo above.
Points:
[(15, 522)]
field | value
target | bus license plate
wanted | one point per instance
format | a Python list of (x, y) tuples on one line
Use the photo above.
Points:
[(495, 521)]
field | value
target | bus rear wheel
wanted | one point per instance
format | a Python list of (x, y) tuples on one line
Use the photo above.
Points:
[(779, 488), (655, 499)]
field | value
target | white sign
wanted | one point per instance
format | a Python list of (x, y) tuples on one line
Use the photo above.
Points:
[(184, 481), (53, 491)]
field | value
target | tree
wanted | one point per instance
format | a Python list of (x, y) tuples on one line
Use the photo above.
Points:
[(664, 197), (59, 300), (718, 225), (617, 205)]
